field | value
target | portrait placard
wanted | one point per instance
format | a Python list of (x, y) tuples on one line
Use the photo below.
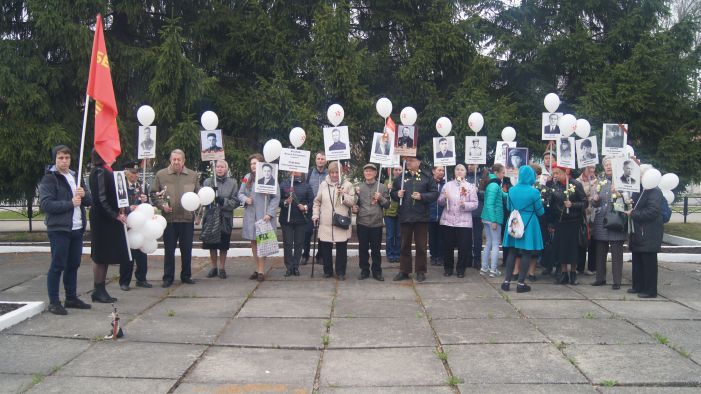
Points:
[(120, 186), (551, 131), (212, 145), (266, 178), (587, 152), (407, 140), (517, 157), (147, 142), (501, 150), (444, 151), (614, 140), (337, 143), (396, 161), (565, 152), (294, 160), (476, 150), (382, 148), (626, 175)]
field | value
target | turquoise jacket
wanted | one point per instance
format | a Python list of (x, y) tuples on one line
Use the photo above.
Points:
[(526, 199), (493, 210)]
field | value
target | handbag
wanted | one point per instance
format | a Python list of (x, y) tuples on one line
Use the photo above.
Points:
[(338, 220), (211, 225), (614, 221), (583, 235), (266, 239)]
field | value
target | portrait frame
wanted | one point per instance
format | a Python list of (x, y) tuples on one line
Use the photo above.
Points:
[(263, 186), (440, 158), (120, 189), (469, 145), (546, 133), (614, 138), (511, 170), (403, 149), (337, 150), (584, 160), (501, 151), (212, 151), (618, 176), (146, 146), (564, 159), (382, 142)]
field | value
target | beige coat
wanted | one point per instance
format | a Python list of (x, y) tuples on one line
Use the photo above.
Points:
[(323, 209)]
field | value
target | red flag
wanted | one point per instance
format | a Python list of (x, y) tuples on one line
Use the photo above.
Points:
[(101, 90)]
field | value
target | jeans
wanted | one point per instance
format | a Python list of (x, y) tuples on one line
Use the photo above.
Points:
[(369, 238), (393, 238), (293, 243), (435, 243), (416, 232), (491, 247), (477, 228), (126, 269), (178, 234), (66, 251), (326, 252)]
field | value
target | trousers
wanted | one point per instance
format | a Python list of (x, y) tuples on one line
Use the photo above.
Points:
[(66, 250), (369, 238), (178, 234), (417, 233)]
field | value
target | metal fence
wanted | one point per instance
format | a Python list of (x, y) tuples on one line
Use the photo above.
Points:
[(687, 205)]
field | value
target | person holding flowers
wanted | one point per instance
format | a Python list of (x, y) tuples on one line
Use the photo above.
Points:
[(460, 199), (569, 202), (604, 235)]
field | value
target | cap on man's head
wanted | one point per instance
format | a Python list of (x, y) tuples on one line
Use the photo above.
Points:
[(513, 152), (131, 166), (369, 165)]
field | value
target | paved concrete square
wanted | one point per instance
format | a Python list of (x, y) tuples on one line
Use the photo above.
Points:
[(37, 355), (487, 308), (175, 329), (280, 307), (661, 309), (395, 332), (467, 291), (592, 331), (274, 332), (558, 309), (89, 385), (466, 331), (354, 307)]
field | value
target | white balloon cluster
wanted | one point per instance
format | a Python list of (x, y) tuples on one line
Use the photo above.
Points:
[(145, 228), (191, 201), (652, 178)]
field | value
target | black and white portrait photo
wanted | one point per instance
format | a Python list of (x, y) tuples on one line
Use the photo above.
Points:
[(406, 141), (147, 142), (444, 151), (266, 178), (614, 139), (476, 150), (212, 145), (382, 148), (337, 143), (516, 157), (501, 150), (120, 185), (565, 152), (626, 175), (551, 131), (587, 152)]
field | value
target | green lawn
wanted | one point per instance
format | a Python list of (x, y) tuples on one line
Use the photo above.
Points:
[(686, 230), (11, 215)]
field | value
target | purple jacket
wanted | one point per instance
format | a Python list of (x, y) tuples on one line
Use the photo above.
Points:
[(459, 206)]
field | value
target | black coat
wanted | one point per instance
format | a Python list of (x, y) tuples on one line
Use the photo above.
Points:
[(303, 195), (648, 226), (55, 199), (578, 200), (108, 245), (415, 211)]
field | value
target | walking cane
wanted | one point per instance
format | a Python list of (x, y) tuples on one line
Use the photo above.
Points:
[(316, 233)]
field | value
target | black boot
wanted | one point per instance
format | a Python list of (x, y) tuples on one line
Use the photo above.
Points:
[(573, 278), (564, 278), (100, 294)]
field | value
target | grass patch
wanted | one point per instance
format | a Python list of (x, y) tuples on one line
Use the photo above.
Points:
[(170, 313), (325, 340), (443, 356), (608, 383), (589, 315), (328, 323), (37, 378), (20, 215), (560, 345), (419, 315), (661, 338), (97, 338), (454, 381), (24, 236), (686, 230)]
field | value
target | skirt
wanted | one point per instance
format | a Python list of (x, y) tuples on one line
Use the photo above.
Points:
[(566, 242), (224, 243)]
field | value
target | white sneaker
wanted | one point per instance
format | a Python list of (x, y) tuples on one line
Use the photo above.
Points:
[(484, 271), (494, 274)]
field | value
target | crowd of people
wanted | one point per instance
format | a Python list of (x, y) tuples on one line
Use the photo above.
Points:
[(566, 224)]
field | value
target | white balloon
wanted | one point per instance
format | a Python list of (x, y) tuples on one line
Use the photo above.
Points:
[(150, 246), (384, 107), (297, 137), (190, 201), (475, 121), (551, 101), (408, 116), (443, 126), (209, 120), (508, 134), (146, 115), (206, 195), (136, 219), (335, 114), (630, 151), (161, 221), (669, 196), (147, 210), (136, 239), (152, 229), (567, 125), (669, 181), (272, 150), (651, 178), (582, 128)]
